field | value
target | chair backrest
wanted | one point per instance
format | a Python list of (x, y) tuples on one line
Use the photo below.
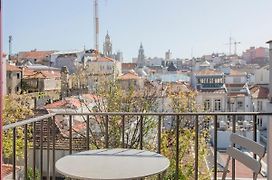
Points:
[(249, 161)]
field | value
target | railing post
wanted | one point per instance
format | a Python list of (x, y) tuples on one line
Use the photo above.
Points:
[(177, 149), (70, 134), (269, 148), (215, 147), (196, 147), (233, 160), (107, 131), (41, 148), (25, 149), (123, 131), (14, 153), (54, 146), (88, 133), (141, 132), (1, 92)]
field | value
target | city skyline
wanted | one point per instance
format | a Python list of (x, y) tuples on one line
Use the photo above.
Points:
[(187, 28)]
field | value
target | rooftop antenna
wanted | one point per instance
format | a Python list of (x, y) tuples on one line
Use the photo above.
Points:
[(230, 44), (96, 21)]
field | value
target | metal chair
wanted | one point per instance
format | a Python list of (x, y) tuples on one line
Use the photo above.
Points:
[(250, 162)]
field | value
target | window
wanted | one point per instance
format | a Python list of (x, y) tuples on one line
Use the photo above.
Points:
[(239, 104), (17, 89), (207, 105), (10, 75), (18, 76), (259, 106), (217, 105)]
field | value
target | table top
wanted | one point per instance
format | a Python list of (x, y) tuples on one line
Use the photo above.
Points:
[(110, 164)]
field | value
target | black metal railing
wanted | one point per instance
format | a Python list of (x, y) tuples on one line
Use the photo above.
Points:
[(48, 122)]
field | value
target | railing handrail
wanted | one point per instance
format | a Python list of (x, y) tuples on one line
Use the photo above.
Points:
[(164, 113), (39, 118), (27, 121)]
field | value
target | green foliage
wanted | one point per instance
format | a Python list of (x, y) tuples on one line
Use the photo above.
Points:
[(16, 109), (186, 154), (112, 98), (185, 102), (30, 174)]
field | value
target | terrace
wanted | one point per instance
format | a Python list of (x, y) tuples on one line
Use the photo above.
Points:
[(42, 148)]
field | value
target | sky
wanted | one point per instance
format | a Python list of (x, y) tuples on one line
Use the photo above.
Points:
[(189, 28)]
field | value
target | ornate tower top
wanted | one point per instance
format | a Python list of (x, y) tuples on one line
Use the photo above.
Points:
[(107, 48), (141, 56)]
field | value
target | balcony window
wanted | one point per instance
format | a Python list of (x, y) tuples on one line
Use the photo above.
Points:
[(259, 106), (217, 105), (207, 105), (239, 104)]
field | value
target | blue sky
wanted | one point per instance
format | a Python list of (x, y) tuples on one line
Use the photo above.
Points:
[(187, 27)]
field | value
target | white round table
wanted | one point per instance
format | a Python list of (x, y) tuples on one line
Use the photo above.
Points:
[(110, 164)]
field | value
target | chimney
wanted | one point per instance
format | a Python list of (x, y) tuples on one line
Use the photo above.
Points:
[(270, 70)]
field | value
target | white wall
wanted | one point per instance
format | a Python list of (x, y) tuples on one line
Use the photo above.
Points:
[(262, 76), (235, 79)]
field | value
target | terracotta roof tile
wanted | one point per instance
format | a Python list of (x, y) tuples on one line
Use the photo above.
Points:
[(71, 102), (236, 94), (104, 59), (240, 85), (129, 65), (13, 68), (8, 169), (28, 72), (35, 54), (131, 75), (259, 92), (237, 73), (209, 72)]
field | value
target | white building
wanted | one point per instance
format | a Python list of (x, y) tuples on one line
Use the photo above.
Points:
[(236, 77), (67, 58), (102, 69), (212, 93), (259, 102), (262, 75)]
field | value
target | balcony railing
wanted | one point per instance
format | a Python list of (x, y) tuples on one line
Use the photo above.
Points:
[(44, 138)]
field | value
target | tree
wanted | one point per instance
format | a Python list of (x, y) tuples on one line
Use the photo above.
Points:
[(110, 97), (17, 107), (185, 102)]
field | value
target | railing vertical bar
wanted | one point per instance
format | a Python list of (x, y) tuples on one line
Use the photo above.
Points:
[(34, 150), (159, 134), (196, 147), (159, 139), (215, 147), (41, 150), (14, 153), (107, 131), (233, 160), (123, 131), (141, 132), (177, 148), (25, 149), (48, 148), (53, 148), (254, 134), (88, 133), (70, 134)]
